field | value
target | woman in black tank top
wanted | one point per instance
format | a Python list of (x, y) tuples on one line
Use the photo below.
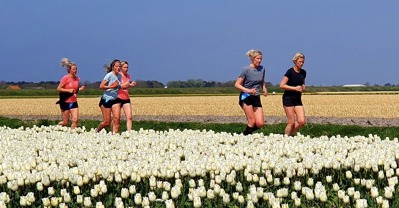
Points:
[(293, 84)]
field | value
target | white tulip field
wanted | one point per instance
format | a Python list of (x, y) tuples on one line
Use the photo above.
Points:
[(54, 166)]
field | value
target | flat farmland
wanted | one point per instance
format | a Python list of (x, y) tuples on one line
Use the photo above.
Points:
[(339, 106)]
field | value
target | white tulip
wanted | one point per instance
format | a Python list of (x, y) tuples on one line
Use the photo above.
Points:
[(239, 187), (363, 182), (361, 203), (132, 189), (328, 179), (276, 182), (210, 194), (174, 193), (217, 189), (253, 197), (297, 186), (269, 178), (294, 195), (222, 192), (76, 190), (23, 201), (341, 194), (151, 196), (310, 182), (46, 202), (87, 201), (93, 193), (345, 199), (393, 181), (54, 201), (99, 205), (118, 178), (374, 192), (30, 197), (201, 191), (212, 183), (259, 192), (388, 192), (153, 182), (12, 185), (39, 186), (165, 195), (137, 199), (50, 191), (169, 204), (348, 174), (379, 199), (235, 195), (124, 193), (356, 168), (103, 189), (197, 201), (192, 183), (255, 178), (226, 198), (381, 174), (356, 181), (323, 196), (385, 204), (4, 197), (146, 202), (356, 195), (297, 202), (79, 181), (79, 199), (309, 195), (67, 197)]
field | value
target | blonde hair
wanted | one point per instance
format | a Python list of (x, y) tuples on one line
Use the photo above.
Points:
[(124, 62), (67, 64), (297, 56), (253, 53)]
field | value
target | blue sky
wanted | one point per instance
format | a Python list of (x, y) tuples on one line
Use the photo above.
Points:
[(345, 42)]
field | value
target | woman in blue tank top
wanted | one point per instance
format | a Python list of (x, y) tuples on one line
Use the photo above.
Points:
[(108, 102)]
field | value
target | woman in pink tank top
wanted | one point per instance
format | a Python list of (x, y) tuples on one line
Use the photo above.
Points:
[(123, 94), (68, 89)]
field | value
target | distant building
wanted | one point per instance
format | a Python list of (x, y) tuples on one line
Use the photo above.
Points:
[(354, 85), (13, 87)]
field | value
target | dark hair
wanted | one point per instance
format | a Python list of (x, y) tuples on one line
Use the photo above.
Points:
[(111, 65)]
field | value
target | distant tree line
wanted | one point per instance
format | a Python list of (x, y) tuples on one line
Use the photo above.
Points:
[(191, 83)]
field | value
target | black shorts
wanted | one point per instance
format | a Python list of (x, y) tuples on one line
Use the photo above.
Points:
[(68, 106), (122, 102), (108, 104), (253, 100), (290, 101)]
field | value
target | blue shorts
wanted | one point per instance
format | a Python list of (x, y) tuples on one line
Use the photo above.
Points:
[(253, 100), (68, 106), (106, 103)]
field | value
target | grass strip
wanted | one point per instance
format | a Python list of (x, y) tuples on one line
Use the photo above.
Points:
[(313, 130)]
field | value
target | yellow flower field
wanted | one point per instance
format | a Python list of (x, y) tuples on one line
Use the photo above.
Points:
[(367, 105)]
